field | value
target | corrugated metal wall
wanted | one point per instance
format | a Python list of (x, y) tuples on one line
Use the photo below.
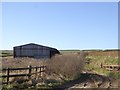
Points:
[(32, 51)]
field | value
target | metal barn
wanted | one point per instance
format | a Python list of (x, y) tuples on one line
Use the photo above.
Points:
[(34, 51)]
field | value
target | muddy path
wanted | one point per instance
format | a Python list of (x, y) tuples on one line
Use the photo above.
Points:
[(91, 80)]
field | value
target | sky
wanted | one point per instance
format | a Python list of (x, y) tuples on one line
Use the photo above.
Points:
[(62, 25)]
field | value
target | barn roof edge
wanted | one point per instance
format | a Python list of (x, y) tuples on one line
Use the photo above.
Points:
[(35, 44)]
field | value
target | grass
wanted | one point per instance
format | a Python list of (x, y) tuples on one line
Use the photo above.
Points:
[(109, 58), (69, 51), (6, 53), (61, 69), (21, 62), (62, 64), (67, 65)]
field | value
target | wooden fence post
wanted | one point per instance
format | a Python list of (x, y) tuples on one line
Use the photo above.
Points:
[(36, 69), (8, 71), (36, 72), (30, 68), (101, 65), (40, 71), (44, 70)]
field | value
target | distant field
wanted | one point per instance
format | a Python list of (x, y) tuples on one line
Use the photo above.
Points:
[(69, 51), (6, 53), (92, 50)]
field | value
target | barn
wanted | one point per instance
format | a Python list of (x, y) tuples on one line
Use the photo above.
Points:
[(34, 51)]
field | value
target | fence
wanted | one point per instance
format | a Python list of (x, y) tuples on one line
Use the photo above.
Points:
[(31, 70), (111, 67)]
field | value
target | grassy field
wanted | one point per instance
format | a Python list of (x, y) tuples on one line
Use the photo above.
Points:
[(96, 57), (104, 57), (6, 53), (60, 69)]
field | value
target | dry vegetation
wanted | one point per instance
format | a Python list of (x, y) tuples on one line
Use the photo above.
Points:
[(21, 62), (68, 66), (62, 68), (105, 53), (59, 69), (106, 58)]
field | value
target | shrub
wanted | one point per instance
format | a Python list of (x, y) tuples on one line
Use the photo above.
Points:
[(21, 62), (68, 66)]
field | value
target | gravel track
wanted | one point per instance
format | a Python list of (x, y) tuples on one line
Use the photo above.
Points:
[(91, 80)]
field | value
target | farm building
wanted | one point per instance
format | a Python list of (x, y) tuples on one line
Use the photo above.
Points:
[(34, 51)]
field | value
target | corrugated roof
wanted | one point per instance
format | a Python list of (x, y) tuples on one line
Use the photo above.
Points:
[(35, 45)]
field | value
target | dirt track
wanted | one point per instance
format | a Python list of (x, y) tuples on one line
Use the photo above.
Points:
[(90, 80)]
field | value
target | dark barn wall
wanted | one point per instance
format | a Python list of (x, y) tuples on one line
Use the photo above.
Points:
[(53, 52), (34, 51)]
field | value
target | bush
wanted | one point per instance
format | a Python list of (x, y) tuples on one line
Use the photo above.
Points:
[(68, 66), (21, 62)]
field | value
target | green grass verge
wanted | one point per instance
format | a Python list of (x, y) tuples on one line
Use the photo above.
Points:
[(95, 65), (6, 53)]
